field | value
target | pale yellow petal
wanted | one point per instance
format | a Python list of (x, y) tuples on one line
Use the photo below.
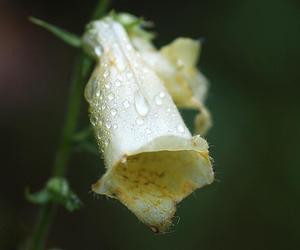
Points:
[(152, 160), (175, 64)]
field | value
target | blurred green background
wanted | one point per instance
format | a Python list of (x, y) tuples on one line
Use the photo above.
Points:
[(251, 56)]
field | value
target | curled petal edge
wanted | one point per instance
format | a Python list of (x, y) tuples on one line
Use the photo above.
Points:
[(154, 178)]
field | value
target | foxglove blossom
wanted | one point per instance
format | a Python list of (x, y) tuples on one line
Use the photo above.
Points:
[(175, 64), (152, 160)]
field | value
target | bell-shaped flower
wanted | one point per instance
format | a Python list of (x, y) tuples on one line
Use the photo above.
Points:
[(176, 64), (152, 160)]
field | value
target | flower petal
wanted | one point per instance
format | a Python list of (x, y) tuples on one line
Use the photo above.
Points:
[(152, 160), (175, 64)]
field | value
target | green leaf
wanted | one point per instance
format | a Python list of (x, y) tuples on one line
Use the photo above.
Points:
[(83, 134), (84, 141), (88, 147), (57, 190), (100, 9), (40, 197), (135, 26), (68, 37)]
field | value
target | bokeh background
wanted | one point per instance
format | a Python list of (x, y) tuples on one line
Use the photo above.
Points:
[(251, 56)]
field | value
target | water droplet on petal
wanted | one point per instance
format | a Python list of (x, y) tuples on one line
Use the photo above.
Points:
[(105, 74), (93, 120), (115, 126), (179, 63), (180, 128), (129, 75), (162, 94), (118, 83), (98, 51), (107, 85), (139, 121), (158, 100), (126, 104), (108, 125), (141, 104), (113, 112), (110, 96)]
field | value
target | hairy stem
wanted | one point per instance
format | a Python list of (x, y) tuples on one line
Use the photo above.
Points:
[(80, 74)]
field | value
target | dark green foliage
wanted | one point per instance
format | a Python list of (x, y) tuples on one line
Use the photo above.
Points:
[(57, 190), (66, 36)]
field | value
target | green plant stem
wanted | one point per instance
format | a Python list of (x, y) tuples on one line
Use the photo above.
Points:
[(81, 72), (42, 226), (69, 128), (47, 212)]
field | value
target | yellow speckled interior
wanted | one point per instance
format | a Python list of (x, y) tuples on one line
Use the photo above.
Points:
[(151, 184)]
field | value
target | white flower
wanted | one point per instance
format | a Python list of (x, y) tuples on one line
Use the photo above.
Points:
[(175, 64), (152, 160)]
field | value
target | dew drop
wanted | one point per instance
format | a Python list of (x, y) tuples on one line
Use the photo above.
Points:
[(180, 128), (98, 51), (129, 75), (158, 100), (113, 112), (115, 126), (139, 121), (93, 120), (162, 94), (108, 125), (91, 91), (105, 74), (141, 104), (107, 85), (118, 83), (168, 110), (126, 104), (110, 97), (98, 137)]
